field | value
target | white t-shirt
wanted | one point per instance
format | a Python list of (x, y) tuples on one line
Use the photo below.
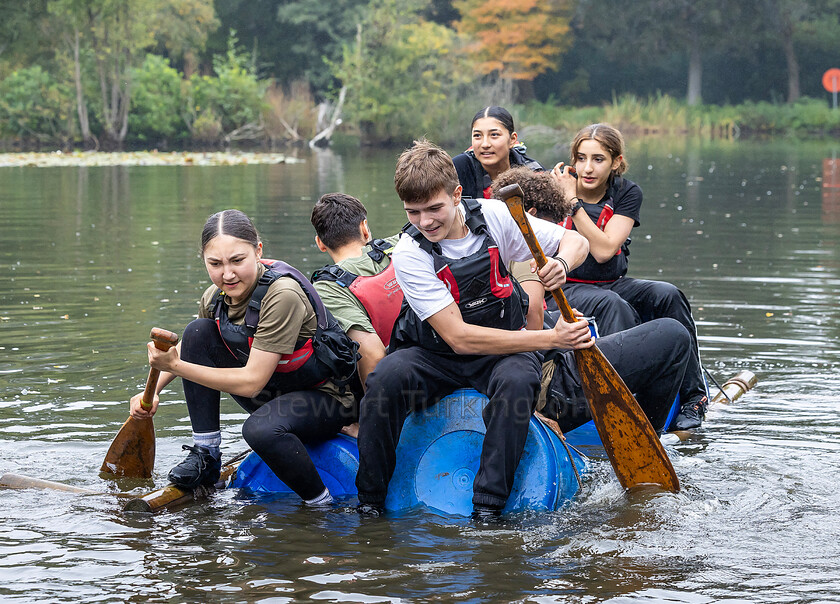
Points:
[(414, 268)]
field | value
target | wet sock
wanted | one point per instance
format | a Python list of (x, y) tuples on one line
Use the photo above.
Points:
[(211, 441), (322, 499)]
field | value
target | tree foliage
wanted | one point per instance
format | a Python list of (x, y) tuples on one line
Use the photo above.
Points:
[(396, 60), (518, 39), (114, 35)]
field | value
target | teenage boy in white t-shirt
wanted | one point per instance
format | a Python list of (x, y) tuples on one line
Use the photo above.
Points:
[(461, 325)]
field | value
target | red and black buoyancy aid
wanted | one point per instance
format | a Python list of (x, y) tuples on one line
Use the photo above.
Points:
[(479, 283), (327, 355), (380, 294), (591, 271)]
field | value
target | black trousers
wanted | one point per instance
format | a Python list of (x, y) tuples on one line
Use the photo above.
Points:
[(627, 302), (651, 359), (412, 378), (279, 424)]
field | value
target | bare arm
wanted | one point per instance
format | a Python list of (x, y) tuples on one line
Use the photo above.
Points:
[(466, 338), (536, 293), (371, 348), (245, 381), (602, 244), (573, 249)]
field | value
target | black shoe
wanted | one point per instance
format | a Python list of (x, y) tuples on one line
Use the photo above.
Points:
[(485, 514), (691, 414), (199, 468), (369, 510)]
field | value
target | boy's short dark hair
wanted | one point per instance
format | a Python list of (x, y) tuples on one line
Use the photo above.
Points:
[(336, 218), (540, 190), (423, 171)]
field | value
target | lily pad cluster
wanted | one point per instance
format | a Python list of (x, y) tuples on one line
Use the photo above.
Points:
[(140, 158)]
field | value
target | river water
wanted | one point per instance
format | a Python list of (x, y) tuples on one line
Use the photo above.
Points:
[(92, 258)]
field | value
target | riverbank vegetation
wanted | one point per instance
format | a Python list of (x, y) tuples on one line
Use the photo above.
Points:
[(109, 74)]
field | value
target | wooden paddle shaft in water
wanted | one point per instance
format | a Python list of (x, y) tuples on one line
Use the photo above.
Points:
[(18, 481), (631, 443), (171, 496)]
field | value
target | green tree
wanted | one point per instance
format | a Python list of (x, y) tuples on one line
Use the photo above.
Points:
[(232, 98), (402, 73), (289, 40), (789, 21), (156, 101), (658, 30), (24, 38), (34, 106), (113, 35)]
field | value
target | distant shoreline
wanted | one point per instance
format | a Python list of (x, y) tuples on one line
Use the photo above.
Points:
[(139, 158)]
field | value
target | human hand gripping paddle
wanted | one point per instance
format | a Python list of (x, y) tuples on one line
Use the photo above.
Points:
[(631, 443), (132, 454)]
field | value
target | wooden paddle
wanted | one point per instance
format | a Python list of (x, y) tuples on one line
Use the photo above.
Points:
[(132, 454), (631, 443)]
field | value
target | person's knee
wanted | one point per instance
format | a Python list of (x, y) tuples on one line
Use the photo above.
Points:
[(615, 310), (260, 433), (670, 296), (517, 390), (671, 332), (196, 336)]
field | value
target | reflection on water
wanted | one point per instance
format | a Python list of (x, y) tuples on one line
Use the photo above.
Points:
[(92, 258)]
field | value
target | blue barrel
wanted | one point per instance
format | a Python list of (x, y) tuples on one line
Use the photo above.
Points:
[(437, 459), (337, 461)]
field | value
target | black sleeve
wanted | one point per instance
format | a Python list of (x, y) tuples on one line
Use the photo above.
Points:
[(467, 176), (628, 202)]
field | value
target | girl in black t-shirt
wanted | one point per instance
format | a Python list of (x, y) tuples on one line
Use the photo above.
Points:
[(606, 210)]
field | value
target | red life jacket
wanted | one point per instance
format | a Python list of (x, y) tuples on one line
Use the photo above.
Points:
[(380, 294), (603, 218), (591, 271)]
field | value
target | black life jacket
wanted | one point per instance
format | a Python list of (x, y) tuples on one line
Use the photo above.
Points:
[(483, 184), (591, 271), (479, 283), (327, 355), (380, 294)]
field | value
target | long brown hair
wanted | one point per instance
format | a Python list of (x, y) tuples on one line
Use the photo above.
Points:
[(609, 138)]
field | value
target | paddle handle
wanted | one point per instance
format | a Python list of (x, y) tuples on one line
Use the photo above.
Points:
[(164, 340), (512, 196)]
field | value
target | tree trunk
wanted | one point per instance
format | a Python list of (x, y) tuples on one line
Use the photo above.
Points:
[(524, 91), (695, 72), (81, 105), (790, 58)]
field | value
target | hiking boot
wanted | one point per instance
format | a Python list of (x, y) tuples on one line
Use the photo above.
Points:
[(369, 510), (691, 414), (199, 468)]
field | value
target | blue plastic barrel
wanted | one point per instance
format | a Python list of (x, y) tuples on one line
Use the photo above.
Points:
[(337, 461), (437, 459)]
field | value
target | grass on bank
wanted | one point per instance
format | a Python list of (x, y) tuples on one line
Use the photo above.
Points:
[(666, 115)]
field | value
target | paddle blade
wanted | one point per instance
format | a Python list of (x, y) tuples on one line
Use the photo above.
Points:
[(631, 443), (132, 454)]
